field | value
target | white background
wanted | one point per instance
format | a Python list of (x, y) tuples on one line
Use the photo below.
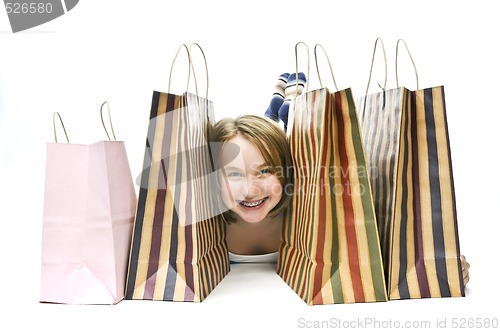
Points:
[(120, 51)]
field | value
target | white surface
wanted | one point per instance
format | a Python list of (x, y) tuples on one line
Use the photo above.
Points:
[(122, 50)]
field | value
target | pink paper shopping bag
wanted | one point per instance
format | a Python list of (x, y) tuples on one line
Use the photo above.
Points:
[(88, 216)]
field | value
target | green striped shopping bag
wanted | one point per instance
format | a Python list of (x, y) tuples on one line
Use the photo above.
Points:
[(178, 250), (330, 251), (407, 145)]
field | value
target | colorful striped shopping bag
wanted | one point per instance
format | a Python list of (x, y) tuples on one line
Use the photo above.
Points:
[(178, 250), (407, 145), (330, 251)]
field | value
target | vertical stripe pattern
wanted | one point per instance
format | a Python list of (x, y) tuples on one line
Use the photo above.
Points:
[(406, 141), (178, 250), (330, 251)]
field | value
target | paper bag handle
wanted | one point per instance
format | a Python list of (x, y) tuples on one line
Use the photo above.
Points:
[(329, 64), (54, 125), (371, 68), (192, 67), (110, 122), (172, 66), (297, 68), (411, 58)]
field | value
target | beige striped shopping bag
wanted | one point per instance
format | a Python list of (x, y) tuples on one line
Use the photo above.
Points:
[(330, 251), (407, 145), (178, 250)]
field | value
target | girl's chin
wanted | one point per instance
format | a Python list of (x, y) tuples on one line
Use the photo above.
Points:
[(252, 219)]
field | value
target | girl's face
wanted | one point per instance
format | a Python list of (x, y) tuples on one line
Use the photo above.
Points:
[(248, 187)]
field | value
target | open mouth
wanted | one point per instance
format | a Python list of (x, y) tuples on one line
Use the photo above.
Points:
[(253, 204)]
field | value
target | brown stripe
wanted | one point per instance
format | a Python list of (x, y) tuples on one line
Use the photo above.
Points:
[(419, 252), (287, 254), (453, 199), (300, 237), (141, 204), (154, 252), (348, 208), (190, 287), (314, 232), (323, 196)]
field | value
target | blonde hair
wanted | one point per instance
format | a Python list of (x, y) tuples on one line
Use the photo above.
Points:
[(272, 143)]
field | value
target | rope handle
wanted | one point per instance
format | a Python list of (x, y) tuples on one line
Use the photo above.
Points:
[(172, 66), (54, 126), (373, 60), (297, 68), (411, 58), (192, 68), (329, 64), (110, 122)]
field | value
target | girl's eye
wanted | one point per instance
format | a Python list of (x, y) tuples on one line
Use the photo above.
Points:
[(265, 171), (234, 175)]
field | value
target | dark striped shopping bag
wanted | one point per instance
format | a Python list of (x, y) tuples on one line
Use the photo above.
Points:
[(330, 251), (178, 250), (407, 145)]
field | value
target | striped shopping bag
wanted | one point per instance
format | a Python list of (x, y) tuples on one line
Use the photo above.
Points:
[(407, 145), (178, 250), (330, 251)]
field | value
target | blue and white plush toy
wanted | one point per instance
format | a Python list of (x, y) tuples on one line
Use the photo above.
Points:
[(285, 90), (277, 98)]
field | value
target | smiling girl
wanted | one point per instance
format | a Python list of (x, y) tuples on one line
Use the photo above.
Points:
[(256, 181), (254, 162)]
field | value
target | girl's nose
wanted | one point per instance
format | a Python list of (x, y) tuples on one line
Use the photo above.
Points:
[(253, 188)]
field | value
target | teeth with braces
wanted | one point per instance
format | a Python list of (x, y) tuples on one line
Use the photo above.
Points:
[(253, 204)]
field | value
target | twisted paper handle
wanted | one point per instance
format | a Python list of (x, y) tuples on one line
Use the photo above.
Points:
[(411, 59), (329, 64), (110, 122), (373, 60), (54, 125)]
